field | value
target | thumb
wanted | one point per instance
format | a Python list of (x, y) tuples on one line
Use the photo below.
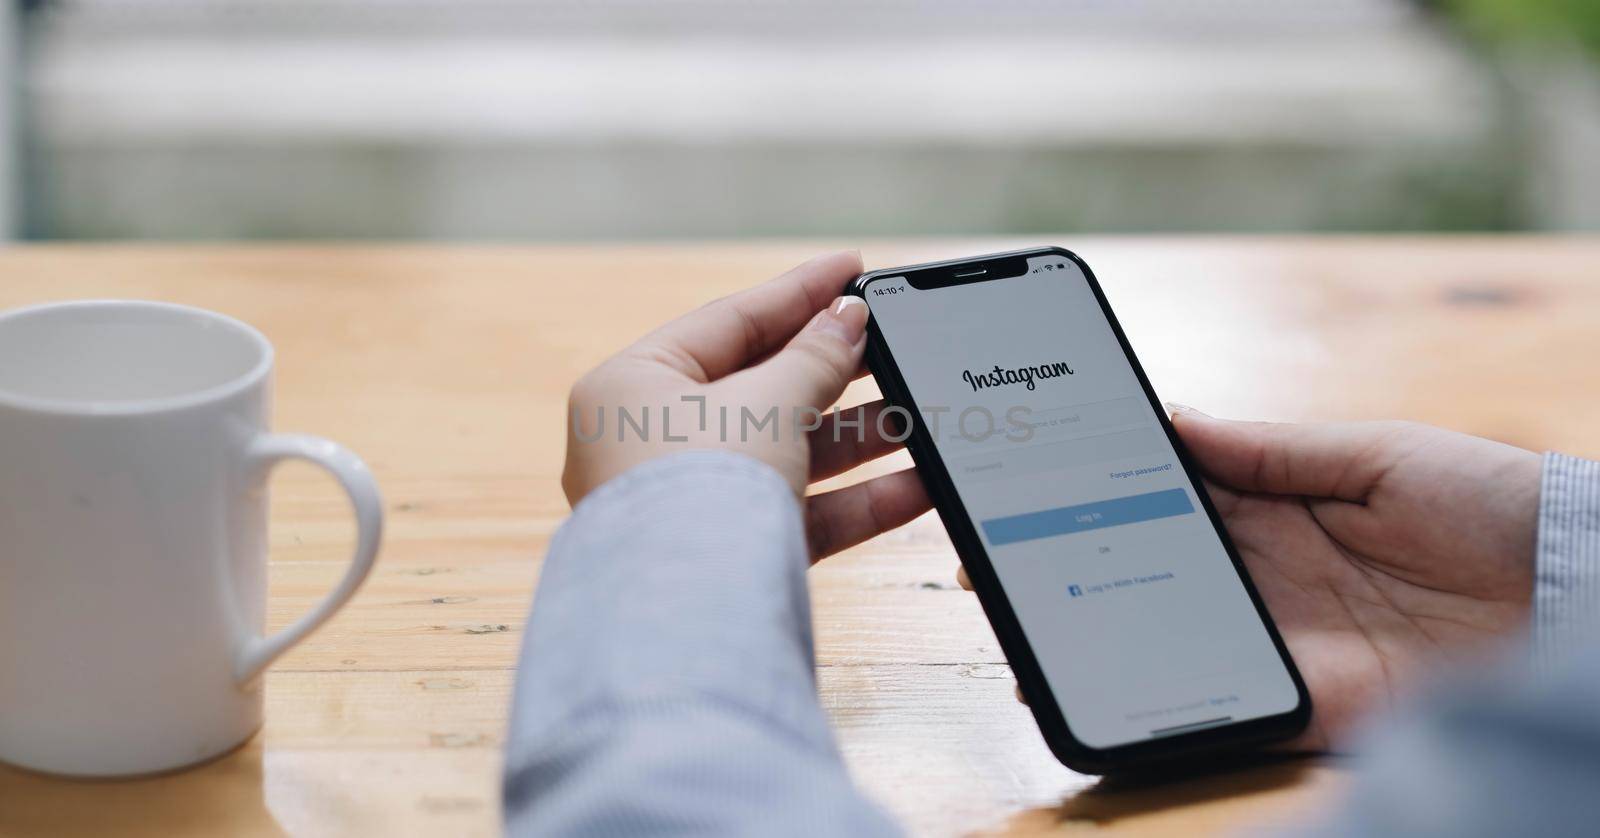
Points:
[(1328, 460), (815, 366)]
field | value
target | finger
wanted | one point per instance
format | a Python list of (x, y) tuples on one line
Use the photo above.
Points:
[(846, 517), (1019, 696), (861, 368), (852, 437), (813, 369), (728, 334), (963, 579), (1334, 460)]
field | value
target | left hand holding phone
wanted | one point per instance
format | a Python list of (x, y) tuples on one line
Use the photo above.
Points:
[(789, 345)]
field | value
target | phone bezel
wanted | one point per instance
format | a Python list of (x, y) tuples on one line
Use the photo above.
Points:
[(969, 547)]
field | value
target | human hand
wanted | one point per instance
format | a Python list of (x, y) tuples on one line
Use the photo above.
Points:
[(789, 346), (1383, 550)]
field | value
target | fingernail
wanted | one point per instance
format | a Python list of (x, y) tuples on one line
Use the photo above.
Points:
[(1173, 409), (846, 319)]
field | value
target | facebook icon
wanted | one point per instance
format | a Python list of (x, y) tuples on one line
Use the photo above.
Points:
[(1074, 590)]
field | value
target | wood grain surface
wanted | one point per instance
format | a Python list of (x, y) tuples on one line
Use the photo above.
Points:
[(447, 368)]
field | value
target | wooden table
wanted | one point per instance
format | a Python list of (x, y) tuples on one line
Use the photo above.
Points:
[(447, 367)]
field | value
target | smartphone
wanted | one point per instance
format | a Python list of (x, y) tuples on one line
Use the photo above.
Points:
[(1131, 624)]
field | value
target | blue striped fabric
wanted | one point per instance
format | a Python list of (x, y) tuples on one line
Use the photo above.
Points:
[(1566, 594)]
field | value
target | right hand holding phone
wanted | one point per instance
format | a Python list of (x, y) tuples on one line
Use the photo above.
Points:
[(1382, 549)]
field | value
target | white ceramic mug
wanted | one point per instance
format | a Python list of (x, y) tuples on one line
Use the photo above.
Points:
[(134, 455)]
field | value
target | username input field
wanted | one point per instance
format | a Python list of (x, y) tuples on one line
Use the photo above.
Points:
[(999, 431)]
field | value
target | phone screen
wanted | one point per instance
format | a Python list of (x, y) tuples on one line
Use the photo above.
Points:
[(1128, 599)]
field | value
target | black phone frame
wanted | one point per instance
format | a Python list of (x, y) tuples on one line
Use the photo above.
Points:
[(935, 475)]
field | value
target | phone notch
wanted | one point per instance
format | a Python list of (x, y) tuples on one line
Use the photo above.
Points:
[(962, 273)]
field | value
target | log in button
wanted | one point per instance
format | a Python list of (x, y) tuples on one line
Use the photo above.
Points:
[(1064, 520)]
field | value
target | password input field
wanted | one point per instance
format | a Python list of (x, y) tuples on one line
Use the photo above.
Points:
[(1022, 459)]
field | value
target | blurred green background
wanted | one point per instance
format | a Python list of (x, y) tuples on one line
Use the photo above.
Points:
[(647, 119)]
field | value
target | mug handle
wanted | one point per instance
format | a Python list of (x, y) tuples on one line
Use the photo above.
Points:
[(257, 653)]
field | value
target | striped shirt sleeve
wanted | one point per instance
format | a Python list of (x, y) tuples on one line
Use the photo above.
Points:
[(666, 683), (1566, 596)]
